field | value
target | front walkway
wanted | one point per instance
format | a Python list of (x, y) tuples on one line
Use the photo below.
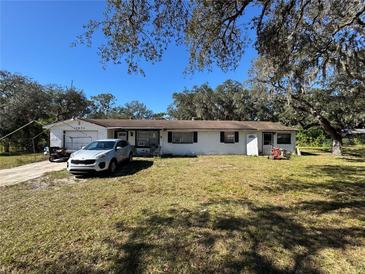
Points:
[(15, 175)]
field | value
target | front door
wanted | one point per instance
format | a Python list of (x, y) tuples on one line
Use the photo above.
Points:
[(252, 146), (267, 142)]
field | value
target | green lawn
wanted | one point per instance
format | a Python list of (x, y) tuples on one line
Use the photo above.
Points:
[(18, 160), (211, 214), (350, 151)]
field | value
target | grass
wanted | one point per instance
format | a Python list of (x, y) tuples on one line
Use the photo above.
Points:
[(354, 151), (8, 161), (211, 214)]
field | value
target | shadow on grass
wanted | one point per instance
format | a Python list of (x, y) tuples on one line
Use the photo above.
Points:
[(260, 239), (321, 207), (354, 151), (133, 167), (307, 153), (347, 151), (235, 235), (201, 241), (124, 169), (265, 239), (338, 170), (341, 183), (354, 160)]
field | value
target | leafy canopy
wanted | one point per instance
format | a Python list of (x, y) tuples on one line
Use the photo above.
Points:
[(228, 101), (294, 34)]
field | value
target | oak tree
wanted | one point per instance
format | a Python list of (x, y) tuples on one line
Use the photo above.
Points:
[(307, 41)]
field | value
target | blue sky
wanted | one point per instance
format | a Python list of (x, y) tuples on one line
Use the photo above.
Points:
[(35, 39)]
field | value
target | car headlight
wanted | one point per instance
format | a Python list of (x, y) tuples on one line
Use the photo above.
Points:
[(101, 157), (72, 155)]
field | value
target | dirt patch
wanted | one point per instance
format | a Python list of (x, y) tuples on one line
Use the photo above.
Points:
[(50, 181), (16, 175)]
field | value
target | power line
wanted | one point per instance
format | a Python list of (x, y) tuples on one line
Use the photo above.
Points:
[(34, 137), (16, 130)]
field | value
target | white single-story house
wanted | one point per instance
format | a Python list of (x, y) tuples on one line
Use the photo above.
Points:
[(177, 137)]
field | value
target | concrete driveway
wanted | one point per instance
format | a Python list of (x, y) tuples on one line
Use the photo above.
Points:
[(15, 175)]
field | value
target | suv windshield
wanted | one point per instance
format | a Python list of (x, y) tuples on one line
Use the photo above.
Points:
[(100, 145)]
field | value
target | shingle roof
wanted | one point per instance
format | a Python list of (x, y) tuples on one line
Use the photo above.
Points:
[(190, 124)]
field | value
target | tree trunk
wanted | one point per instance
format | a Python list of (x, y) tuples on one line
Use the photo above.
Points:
[(335, 135), (337, 147), (6, 146), (324, 123)]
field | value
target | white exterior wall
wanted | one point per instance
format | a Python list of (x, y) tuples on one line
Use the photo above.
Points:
[(208, 143), (57, 130)]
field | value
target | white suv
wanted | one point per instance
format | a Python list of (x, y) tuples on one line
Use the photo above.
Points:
[(101, 155)]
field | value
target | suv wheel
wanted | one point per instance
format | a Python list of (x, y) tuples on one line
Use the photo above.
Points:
[(112, 166), (130, 157)]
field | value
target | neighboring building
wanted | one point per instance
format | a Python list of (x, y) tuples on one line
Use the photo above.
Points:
[(176, 137)]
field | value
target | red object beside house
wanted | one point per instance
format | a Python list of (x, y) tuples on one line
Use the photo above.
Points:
[(278, 153)]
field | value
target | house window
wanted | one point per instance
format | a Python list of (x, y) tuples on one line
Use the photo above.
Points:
[(229, 137), (284, 139), (268, 139), (147, 138), (182, 137)]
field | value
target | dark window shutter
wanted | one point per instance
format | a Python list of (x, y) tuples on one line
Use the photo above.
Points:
[(195, 136), (236, 137), (169, 137), (222, 136)]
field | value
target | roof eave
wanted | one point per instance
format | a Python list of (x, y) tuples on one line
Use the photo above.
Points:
[(92, 122), (173, 128)]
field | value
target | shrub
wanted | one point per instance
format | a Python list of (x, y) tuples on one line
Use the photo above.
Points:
[(313, 137), (359, 141)]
